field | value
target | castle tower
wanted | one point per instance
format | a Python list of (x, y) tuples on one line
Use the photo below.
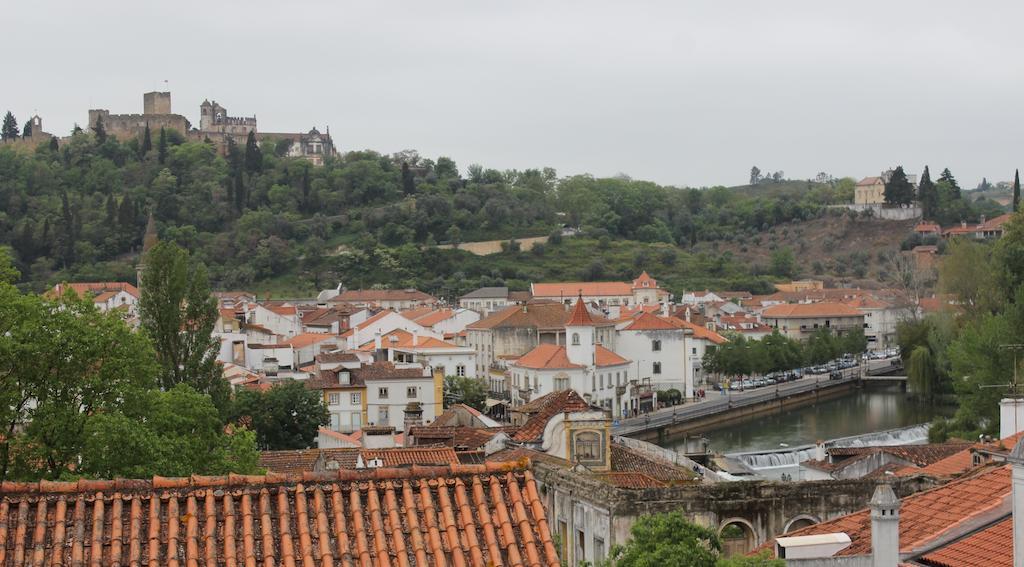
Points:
[(149, 240), (156, 103), (205, 115), (579, 335)]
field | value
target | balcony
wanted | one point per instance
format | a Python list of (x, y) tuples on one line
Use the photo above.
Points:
[(506, 395)]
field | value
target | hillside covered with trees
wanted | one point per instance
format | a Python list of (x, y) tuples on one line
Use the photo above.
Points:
[(260, 221)]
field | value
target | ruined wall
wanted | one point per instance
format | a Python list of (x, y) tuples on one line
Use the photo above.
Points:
[(765, 507)]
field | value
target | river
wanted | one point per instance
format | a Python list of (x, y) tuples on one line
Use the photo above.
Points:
[(864, 411)]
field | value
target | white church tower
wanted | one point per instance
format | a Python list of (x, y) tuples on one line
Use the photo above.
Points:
[(580, 336)]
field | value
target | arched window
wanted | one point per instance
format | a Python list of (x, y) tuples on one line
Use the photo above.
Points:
[(576, 338), (588, 446)]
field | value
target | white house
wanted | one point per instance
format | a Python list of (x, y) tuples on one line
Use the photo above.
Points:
[(279, 319), (391, 387), (445, 322), (486, 300), (381, 324), (401, 346), (644, 289), (106, 296), (582, 364)]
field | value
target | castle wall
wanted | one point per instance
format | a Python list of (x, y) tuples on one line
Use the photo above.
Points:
[(125, 126)]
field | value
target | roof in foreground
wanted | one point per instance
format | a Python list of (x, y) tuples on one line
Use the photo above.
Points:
[(464, 514), (927, 516)]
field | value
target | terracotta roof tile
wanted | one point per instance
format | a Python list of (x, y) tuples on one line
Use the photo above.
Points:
[(546, 356), (402, 456), (306, 460), (461, 438), (305, 339), (574, 289), (604, 357), (529, 316), (455, 514), (626, 460), (925, 515), (554, 404), (364, 295), (579, 317), (808, 310), (634, 480), (84, 289), (646, 321), (991, 547), (400, 338)]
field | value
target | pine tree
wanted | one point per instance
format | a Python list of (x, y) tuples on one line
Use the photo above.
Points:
[(253, 156), (928, 195), (76, 130), (100, 130), (147, 142), (948, 178), (26, 132), (899, 191), (161, 151), (408, 182), (1016, 190), (9, 131)]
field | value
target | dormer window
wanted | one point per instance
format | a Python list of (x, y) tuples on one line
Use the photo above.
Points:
[(576, 339), (588, 447)]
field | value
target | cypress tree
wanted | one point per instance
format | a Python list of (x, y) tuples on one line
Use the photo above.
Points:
[(147, 142), (240, 197), (161, 151), (100, 130), (234, 158), (408, 182), (948, 178), (9, 131), (253, 156), (899, 191), (1016, 190), (928, 195), (26, 132)]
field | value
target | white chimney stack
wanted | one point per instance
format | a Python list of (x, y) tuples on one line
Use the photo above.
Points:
[(819, 451), (885, 527), (378, 343), (1017, 460), (1011, 416)]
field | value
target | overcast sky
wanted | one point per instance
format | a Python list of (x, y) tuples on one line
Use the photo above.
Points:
[(682, 93)]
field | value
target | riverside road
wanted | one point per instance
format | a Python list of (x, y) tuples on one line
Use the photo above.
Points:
[(717, 402)]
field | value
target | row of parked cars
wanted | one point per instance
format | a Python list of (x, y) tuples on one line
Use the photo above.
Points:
[(833, 368), (881, 354)]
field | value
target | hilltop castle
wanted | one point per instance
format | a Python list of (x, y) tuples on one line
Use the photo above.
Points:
[(214, 124)]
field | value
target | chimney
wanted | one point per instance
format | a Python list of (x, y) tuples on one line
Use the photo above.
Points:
[(963, 224), (1011, 416), (982, 221), (378, 343), (415, 338), (1016, 458), (885, 527), (413, 417), (819, 451)]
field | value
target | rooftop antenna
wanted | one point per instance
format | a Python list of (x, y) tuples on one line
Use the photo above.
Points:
[(1014, 387)]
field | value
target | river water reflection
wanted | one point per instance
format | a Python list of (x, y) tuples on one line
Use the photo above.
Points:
[(865, 411)]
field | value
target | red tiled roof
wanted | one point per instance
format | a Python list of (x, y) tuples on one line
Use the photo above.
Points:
[(83, 289), (305, 460), (546, 356), (305, 339), (991, 547), (574, 289), (605, 357), (284, 310), (468, 438), (434, 317), (868, 181), (643, 278), (463, 514), (649, 322), (962, 460), (403, 339), (374, 318), (809, 310), (699, 331), (634, 480), (403, 456), (364, 295), (626, 460), (579, 317), (925, 515), (554, 404)]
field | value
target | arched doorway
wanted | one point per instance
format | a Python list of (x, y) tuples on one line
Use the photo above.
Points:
[(738, 537), (800, 522)]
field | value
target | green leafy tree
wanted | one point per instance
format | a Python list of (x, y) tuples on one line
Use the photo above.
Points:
[(9, 130), (928, 195), (899, 190), (408, 179), (287, 416), (54, 144), (971, 272), (670, 540), (783, 262), (84, 363), (178, 313), (465, 390), (172, 433)]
